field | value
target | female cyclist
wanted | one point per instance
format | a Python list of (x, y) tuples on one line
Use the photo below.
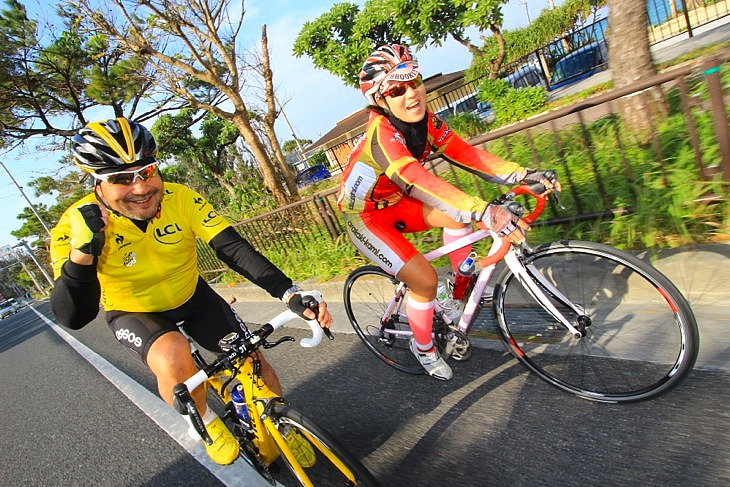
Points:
[(386, 190)]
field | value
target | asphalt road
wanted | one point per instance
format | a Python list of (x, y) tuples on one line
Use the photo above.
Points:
[(63, 423)]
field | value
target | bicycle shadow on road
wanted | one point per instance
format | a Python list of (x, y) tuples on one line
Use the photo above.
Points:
[(701, 273), (496, 424)]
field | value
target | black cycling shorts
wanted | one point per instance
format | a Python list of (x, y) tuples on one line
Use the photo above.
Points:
[(207, 316)]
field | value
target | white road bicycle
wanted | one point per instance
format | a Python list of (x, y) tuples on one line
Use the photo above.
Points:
[(589, 319)]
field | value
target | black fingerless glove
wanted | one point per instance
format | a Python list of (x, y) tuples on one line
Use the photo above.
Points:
[(86, 225), (300, 302)]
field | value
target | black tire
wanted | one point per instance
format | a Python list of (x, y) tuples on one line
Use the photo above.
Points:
[(323, 472), (641, 339), (368, 292)]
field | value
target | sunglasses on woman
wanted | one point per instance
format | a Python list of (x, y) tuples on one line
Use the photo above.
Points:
[(127, 178), (399, 89)]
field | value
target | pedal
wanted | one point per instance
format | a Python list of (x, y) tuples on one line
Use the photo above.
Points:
[(458, 346)]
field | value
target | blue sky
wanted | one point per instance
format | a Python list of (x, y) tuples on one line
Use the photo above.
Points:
[(314, 99)]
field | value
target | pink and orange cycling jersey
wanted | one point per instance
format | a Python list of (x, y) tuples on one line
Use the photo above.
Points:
[(381, 170)]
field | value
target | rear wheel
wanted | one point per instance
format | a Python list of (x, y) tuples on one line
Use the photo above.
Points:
[(640, 336), (325, 461), (368, 293)]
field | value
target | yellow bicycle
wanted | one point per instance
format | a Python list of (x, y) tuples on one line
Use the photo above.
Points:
[(271, 434)]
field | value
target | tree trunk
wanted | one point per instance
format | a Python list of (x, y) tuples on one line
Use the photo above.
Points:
[(258, 150), (630, 60), (271, 115), (496, 63)]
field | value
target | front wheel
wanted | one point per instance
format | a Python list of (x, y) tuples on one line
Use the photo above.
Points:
[(640, 336), (324, 460)]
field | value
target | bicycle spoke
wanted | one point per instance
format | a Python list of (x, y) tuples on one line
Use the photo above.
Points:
[(640, 335), (368, 296)]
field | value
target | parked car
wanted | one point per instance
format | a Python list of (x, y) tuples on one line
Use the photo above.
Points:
[(484, 110), (580, 64), (312, 174), (526, 76), (464, 104), (8, 307)]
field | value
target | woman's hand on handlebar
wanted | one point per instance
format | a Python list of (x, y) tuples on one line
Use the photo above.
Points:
[(506, 219), (542, 182)]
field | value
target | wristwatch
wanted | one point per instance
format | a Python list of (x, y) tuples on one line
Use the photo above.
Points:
[(288, 293)]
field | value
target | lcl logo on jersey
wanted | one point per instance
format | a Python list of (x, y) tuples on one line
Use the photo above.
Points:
[(208, 221), (169, 234)]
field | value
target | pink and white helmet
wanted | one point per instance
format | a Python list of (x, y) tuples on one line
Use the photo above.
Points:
[(388, 64)]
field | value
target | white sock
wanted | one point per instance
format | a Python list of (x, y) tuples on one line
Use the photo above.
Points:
[(207, 418)]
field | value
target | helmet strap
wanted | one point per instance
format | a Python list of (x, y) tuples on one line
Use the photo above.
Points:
[(101, 200)]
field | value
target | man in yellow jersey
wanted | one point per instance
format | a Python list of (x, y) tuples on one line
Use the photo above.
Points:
[(131, 245)]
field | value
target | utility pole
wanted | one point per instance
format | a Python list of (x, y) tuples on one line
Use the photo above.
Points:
[(35, 259), (527, 10), (32, 208), (40, 288)]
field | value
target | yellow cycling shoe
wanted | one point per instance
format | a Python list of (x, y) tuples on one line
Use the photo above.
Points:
[(224, 449), (300, 447)]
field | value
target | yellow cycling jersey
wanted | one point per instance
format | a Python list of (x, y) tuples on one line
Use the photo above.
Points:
[(149, 271)]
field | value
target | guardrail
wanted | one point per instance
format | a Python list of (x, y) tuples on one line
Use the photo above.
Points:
[(298, 224)]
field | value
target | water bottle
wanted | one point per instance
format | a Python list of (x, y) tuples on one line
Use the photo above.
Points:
[(464, 277), (451, 307), (239, 402), (442, 293)]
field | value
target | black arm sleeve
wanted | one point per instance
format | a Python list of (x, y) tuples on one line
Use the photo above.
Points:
[(240, 256), (75, 296)]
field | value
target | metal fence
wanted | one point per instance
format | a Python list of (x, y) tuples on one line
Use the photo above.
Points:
[(569, 125), (671, 18), (566, 59), (577, 54), (286, 229), (296, 225)]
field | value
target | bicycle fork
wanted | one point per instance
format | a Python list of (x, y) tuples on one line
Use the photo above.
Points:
[(534, 282)]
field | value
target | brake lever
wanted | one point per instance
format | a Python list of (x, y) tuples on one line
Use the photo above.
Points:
[(314, 306), (184, 404), (278, 342)]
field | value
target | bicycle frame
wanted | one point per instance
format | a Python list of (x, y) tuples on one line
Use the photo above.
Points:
[(265, 436), (501, 249), (259, 398)]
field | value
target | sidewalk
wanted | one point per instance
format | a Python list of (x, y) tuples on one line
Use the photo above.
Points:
[(701, 272), (713, 33)]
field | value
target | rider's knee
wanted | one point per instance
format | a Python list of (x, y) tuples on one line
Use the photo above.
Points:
[(169, 355)]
